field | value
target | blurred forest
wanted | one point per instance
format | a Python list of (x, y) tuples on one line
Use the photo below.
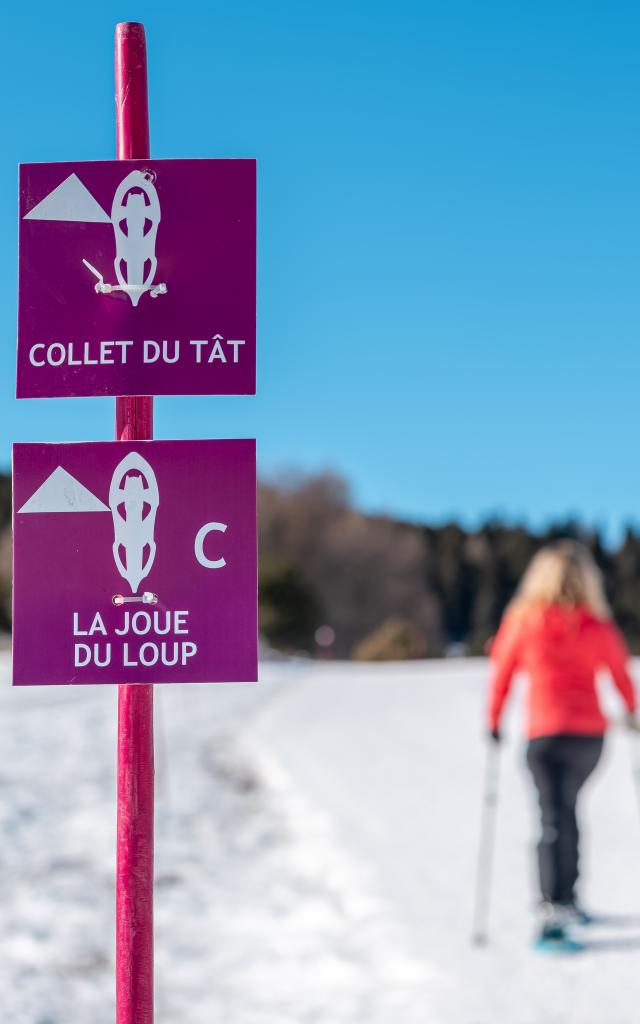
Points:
[(337, 583)]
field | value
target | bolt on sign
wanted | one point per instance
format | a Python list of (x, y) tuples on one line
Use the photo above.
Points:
[(137, 562), (137, 277)]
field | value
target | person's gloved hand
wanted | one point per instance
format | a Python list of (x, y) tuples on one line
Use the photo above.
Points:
[(632, 721), (494, 735)]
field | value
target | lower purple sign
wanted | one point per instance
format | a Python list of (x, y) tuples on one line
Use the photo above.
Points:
[(134, 562)]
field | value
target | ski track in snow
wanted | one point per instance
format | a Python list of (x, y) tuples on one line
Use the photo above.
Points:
[(396, 753), (316, 843)]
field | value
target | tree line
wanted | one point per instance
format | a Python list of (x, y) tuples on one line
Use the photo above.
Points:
[(335, 582), (387, 588)]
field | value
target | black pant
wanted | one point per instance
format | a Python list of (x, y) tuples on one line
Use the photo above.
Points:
[(560, 765)]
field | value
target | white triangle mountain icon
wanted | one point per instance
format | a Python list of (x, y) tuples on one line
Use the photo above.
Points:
[(61, 492), (71, 200)]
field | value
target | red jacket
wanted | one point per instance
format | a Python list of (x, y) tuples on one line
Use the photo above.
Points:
[(560, 649)]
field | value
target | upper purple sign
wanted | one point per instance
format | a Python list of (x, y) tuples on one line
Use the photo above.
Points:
[(134, 562), (137, 277)]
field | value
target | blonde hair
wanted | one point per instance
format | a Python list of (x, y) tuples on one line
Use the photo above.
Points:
[(565, 574)]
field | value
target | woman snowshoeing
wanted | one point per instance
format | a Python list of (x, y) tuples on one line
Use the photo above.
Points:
[(558, 630)]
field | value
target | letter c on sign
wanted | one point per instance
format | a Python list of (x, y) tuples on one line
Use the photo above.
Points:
[(32, 355), (217, 563)]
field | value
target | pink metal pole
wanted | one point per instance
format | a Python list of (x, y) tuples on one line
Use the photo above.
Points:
[(134, 421)]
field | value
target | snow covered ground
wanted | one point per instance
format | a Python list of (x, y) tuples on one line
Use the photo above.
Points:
[(316, 846)]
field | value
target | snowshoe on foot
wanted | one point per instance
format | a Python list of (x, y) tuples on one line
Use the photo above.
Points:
[(554, 936)]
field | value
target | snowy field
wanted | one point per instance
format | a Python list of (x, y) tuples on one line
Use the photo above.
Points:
[(316, 848)]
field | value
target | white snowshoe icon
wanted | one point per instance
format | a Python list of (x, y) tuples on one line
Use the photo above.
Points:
[(134, 501), (135, 216)]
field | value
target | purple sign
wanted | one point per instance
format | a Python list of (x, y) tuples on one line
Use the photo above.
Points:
[(137, 277), (134, 562)]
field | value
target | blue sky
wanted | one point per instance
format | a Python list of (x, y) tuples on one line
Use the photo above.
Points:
[(449, 234)]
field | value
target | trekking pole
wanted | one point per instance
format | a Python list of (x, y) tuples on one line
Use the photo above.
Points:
[(482, 897), (634, 754)]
